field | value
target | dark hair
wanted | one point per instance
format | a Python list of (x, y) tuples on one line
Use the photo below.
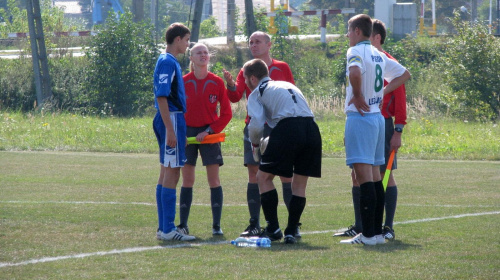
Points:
[(174, 30), (379, 28), (256, 67), (362, 22)]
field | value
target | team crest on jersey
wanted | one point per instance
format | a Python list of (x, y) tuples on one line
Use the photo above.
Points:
[(163, 78), (354, 59), (212, 98)]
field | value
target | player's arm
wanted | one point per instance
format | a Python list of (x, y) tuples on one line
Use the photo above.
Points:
[(395, 83), (355, 79), (235, 90), (225, 113), (165, 116), (399, 116), (257, 118)]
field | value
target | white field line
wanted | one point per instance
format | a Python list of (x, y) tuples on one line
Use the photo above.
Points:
[(141, 249), (226, 204)]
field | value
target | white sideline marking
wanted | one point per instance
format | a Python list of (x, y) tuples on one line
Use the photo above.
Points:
[(229, 205), (141, 249), (417, 221)]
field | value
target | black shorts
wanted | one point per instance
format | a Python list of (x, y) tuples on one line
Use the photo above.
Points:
[(210, 153), (389, 131), (294, 147)]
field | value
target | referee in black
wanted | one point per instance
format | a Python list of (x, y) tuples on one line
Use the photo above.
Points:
[(293, 148)]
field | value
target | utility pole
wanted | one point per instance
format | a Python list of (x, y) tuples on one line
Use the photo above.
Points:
[(39, 52), (231, 24), (138, 10), (195, 29), (498, 17), (250, 18)]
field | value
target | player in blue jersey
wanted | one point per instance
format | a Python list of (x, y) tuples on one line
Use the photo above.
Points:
[(365, 126), (170, 129)]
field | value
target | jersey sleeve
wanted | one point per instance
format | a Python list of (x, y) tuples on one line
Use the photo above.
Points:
[(241, 87), (400, 105), (257, 118), (166, 75), (226, 113), (354, 58), (392, 69)]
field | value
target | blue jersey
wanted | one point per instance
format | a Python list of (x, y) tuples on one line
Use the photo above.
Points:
[(168, 82)]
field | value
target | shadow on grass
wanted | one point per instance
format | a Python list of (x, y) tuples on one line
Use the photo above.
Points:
[(391, 246)]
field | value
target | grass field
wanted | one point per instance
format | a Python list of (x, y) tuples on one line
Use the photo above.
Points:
[(68, 215)]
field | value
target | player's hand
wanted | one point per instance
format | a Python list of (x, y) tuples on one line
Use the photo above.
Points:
[(171, 140), (201, 136), (360, 104), (255, 153), (229, 78), (263, 144), (396, 141)]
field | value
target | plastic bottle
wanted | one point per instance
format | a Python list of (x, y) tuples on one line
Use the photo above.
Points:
[(252, 242)]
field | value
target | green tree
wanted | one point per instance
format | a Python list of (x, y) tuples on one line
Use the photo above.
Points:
[(471, 66), (121, 64), (209, 28)]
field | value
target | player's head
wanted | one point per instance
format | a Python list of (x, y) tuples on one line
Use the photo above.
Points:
[(178, 34), (379, 29), (360, 28), (174, 30), (199, 56), (254, 71), (259, 44)]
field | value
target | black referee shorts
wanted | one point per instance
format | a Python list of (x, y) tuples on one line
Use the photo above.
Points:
[(294, 147)]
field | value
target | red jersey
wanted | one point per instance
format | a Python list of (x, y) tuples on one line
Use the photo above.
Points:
[(394, 103), (202, 97), (278, 71)]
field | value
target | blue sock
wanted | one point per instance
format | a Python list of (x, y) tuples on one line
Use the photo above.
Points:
[(168, 199), (159, 207)]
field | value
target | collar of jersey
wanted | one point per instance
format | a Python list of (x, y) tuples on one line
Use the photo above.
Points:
[(366, 42)]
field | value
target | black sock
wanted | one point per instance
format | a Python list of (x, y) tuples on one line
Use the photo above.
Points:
[(185, 200), (357, 212), (216, 199), (253, 200), (269, 201), (391, 198), (297, 205), (379, 207), (367, 202), (287, 194)]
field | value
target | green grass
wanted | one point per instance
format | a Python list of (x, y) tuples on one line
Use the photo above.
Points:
[(422, 139), (63, 204)]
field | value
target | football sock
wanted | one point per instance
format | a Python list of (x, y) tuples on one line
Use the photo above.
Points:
[(216, 198), (185, 201), (269, 201), (253, 200), (297, 205), (158, 207), (287, 194), (367, 202), (168, 199), (391, 198), (357, 212), (379, 207)]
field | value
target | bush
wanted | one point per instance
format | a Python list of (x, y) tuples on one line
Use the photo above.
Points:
[(122, 59)]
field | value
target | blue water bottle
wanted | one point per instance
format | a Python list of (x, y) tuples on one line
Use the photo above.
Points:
[(252, 242)]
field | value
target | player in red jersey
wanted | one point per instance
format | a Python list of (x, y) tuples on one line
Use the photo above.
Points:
[(260, 46), (205, 91)]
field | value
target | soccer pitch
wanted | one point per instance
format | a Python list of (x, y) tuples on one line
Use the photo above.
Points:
[(93, 216)]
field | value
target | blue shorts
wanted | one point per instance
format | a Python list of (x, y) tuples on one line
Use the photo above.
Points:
[(364, 139), (171, 156)]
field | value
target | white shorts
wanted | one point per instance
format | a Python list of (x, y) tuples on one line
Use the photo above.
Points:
[(364, 138)]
